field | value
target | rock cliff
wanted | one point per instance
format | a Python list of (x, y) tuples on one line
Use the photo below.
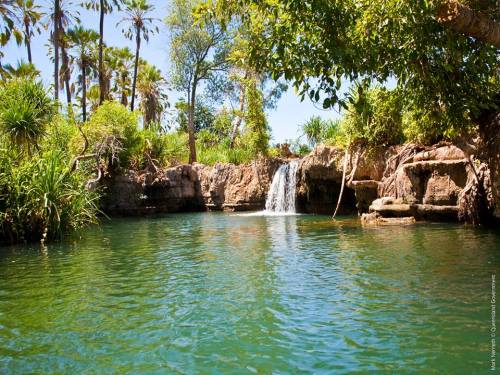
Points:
[(413, 181), (190, 188)]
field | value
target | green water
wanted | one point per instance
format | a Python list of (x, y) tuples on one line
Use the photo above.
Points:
[(221, 293)]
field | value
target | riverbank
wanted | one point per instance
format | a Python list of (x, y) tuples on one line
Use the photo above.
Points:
[(427, 183)]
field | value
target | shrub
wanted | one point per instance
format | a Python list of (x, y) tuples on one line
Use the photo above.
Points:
[(224, 154), (318, 130), (25, 111), (40, 198), (373, 119), (113, 125), (165, 148), (426, 126)]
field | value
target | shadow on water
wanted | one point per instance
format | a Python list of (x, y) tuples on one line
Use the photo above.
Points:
[(216, 292)]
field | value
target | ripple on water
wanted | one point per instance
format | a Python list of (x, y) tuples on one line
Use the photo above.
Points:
[(261, 294)]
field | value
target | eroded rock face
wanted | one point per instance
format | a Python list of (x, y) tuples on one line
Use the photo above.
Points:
[(429, 177), (191, 188), (173, 190), (232, 187), (425, 184), (321, 179)]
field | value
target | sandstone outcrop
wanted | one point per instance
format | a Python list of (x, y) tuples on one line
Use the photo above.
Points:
[(191, 188), (399, 182), (321, 178), (232, 187), (172, 190)]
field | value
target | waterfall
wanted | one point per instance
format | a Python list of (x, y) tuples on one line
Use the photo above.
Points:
[(281, 196)]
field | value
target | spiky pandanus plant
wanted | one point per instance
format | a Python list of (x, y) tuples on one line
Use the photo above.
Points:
[(25, 111), (139, 26), (151, 86)]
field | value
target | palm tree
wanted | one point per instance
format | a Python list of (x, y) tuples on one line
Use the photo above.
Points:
[(22, 70), (104, 7), (136, 16), (29, 16), (150, 87), (55, 39), (121, 63), (8, 25), (82, 44), (60, 20), (7, 18)]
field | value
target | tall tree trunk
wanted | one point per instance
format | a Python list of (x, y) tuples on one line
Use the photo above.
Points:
[(65, 66), (56, 48), (192, 104), (136, 65), (102, 88), (124, 96), (465, 20), (84, 93), (237, 122), (66, 75), (27, 38)]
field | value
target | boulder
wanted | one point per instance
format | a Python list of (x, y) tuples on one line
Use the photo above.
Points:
[(365, 192), (375, 219)]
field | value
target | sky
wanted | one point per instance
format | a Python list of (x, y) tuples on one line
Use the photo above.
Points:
[(284, 121)]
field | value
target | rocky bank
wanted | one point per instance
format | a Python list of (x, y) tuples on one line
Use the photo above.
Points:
[(410, 182)]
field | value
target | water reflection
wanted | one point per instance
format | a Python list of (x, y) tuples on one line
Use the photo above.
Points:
[(217, 292)]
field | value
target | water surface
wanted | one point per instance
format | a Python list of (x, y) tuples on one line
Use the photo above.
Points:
[(221, 293)]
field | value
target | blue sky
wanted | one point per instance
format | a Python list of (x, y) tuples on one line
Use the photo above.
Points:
[(284, 120)]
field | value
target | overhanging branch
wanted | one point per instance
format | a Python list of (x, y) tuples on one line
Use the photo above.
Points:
[(468, 21)]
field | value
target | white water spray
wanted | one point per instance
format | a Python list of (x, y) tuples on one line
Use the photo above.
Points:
[(281, 196)]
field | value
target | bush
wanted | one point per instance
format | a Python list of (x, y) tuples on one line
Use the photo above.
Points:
[(40, 198), (373, 119), (114, 126), (427, 127), (165, 148), (224, 154), (25, 111), (318, 131)]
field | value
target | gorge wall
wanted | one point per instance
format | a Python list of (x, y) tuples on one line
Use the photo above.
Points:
[(425, 183)]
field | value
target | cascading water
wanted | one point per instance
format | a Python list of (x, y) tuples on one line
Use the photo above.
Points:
[(281, 196)]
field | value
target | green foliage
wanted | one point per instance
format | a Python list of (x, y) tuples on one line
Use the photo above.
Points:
[(319, 46), (319, 131), (40, 196), (223, 124), (203, 115), (25, 111), (58, 136), (41, 199), (164, 148), (222, 153), (374, 118), (313, 130), (256, 129), (114, 125)]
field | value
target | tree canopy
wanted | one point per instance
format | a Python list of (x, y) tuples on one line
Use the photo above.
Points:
[(319, 45)]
